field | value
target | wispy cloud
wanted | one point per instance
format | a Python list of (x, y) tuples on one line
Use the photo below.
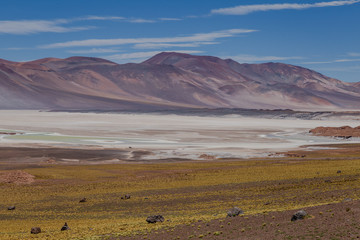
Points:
[(94, 50), (36, 26), (140, 20), (170, 19), (170, 45), (247, 9), (198, 37), (353, 69), (140, 56), (334, 61), (353, 54), (252, 58), (61, 25), (104, 18)]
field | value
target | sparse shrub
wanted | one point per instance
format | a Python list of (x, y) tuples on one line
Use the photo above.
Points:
[(217, 233)]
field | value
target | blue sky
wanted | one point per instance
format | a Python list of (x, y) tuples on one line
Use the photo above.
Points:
[(321, 35)]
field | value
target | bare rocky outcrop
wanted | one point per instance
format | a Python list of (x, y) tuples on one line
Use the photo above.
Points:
[(344, 132), (17, 177)]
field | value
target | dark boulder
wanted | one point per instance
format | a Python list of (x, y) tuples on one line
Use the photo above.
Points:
[(11, 208), (35, 230), (299, 215), (65, 227), (155, 219), (127, 196), (235, 211), (83, 200)]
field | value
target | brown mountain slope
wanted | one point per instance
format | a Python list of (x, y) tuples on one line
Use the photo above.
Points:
[(168, 81)]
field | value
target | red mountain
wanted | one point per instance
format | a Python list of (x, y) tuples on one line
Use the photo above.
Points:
[(168, 81)]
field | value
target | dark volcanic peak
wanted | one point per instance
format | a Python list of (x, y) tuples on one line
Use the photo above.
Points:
[(169, 80)]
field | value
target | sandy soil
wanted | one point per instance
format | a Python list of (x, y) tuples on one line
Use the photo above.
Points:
[(166, 136)]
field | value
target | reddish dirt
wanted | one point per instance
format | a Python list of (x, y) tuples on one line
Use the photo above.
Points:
[(331, 221), (341, 132), (17, 177)]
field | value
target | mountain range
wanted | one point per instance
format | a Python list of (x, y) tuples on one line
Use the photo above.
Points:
[(169, 80)]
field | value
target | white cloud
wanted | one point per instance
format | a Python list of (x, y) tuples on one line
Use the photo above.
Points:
[(140, 56), (101, 18), (334, 61), (198, 37), (170, 19), (57, 25), (169, 45), (94, 50), (251, 58), (36, 26), (140, 20), (341, 69), (247, 9)]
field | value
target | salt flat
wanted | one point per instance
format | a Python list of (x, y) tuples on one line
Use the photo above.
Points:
[(166, 136)]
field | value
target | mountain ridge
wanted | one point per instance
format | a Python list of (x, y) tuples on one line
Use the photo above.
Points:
[(169, 80)]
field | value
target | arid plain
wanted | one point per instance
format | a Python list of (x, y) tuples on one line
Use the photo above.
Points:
[(189, 169)]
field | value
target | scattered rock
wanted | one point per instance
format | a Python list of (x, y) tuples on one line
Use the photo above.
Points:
[(65, 227), (207, 157), (347, 200), (155, 219), (267, 203), (83, 200), (295, 155), (35, 230), (127, 196), (298, 215), (328, 181), (11, 208), (235, 211)]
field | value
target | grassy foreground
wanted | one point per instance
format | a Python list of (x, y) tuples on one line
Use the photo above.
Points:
[(182, 192)]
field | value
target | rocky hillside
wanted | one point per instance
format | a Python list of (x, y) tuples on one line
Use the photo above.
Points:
[(169, 81)]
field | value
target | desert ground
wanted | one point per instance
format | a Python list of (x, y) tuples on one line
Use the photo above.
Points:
[(189, 169)]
